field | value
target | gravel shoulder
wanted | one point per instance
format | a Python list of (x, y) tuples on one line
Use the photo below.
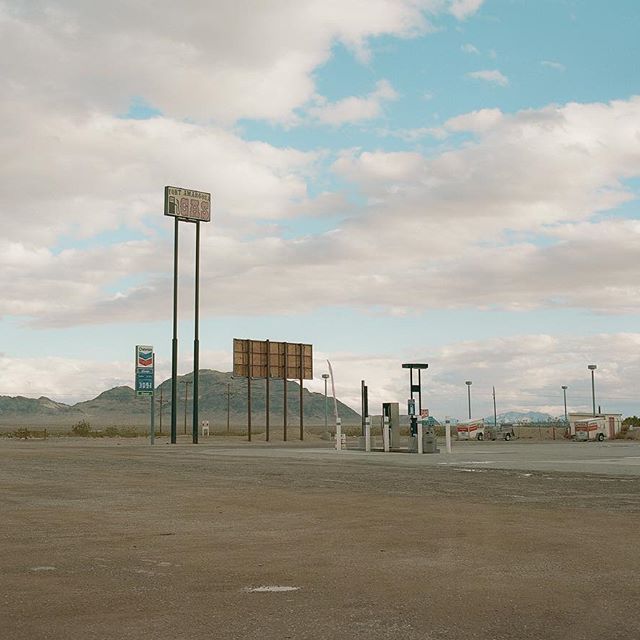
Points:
[(116, 539)]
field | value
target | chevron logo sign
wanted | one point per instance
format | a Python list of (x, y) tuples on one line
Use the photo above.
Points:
[(145, 372), (144, 357)]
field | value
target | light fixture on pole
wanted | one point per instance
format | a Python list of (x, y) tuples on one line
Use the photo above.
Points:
[(469, 383), (325, 377), (564, 391), (592, 368)]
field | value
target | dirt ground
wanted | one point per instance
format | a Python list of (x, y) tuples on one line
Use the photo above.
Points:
[(114, 539)]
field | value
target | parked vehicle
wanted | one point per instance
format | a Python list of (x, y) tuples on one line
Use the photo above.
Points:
[(471, 430), (592, 429), (501, 432)]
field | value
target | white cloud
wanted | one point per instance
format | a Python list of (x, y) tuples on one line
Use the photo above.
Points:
[(462, 9), (204, 61), (558, 66), (90, 175), (475, 121), (469, 48), (355, 109), (490, 75), (413, 135), (505, 221), (527, 371)]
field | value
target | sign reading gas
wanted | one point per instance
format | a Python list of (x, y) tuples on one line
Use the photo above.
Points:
[(187, 204), (145, 369)]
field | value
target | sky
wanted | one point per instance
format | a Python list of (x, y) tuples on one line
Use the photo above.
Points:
[(453, 182)]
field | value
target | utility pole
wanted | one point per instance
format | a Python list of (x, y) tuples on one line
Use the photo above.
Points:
[(228, 404), (186, 384), (495, 413), (592, 368)]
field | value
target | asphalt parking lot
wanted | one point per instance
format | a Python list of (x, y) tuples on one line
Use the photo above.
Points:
[(609, 458), (116, 539)]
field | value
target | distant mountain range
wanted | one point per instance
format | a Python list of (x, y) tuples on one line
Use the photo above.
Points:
[(121, 406), (520, 416)]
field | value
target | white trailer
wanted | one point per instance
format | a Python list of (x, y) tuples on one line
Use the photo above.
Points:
[(595, 429), (613, 422), (471, 430)]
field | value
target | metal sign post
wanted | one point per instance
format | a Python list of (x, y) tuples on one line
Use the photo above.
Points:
[(267, 408), (196, 339), (186, 205), (284, 392), (174, 340), (145, 380)]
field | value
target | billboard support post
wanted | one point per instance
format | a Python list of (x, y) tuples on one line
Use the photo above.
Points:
[(301, 394), (267, 399), (174, 340), (249, 396), (284, 391), (186, 205), (196, 339)]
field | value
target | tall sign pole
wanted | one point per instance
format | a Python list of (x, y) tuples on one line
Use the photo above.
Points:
[(185, 205), (174, 340), (196, 339)]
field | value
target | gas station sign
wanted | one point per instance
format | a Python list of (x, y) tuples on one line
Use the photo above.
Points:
[(145, 370)]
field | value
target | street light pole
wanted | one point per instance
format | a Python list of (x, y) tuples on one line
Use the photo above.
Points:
[(468, 383), (564, 391), (592, 368), (495, 411), (325, 377)]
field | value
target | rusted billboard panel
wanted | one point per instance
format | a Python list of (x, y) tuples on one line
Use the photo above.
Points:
[(268, 359)]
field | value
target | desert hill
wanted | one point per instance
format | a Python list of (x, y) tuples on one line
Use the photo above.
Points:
[(121, 406)]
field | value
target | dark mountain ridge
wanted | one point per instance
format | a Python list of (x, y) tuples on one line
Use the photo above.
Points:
[(218, 391)]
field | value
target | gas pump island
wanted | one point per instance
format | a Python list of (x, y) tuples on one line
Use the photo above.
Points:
[(420, 423), (422, 434)]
